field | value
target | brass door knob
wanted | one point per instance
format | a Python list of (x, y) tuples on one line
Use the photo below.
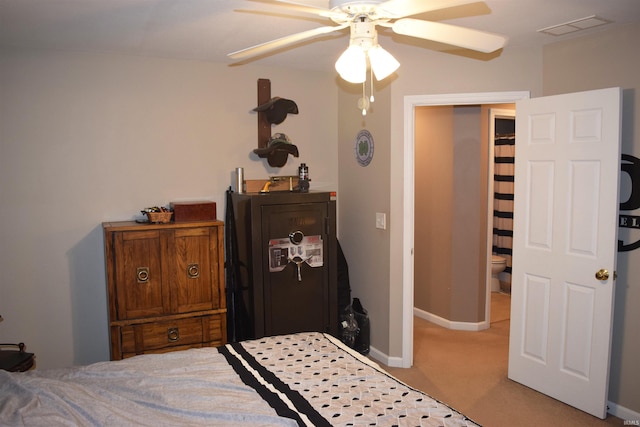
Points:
[(602, 274)]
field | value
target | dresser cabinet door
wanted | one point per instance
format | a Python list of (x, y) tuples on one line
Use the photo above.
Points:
[(139, 276), (195, 276)]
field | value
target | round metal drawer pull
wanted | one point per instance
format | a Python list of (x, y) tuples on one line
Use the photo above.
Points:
[(142, 273), (173, 334), (193, 271)]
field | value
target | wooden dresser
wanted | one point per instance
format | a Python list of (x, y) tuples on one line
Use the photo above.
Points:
[(165, 285)]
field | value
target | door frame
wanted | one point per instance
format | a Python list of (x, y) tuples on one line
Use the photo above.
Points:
[(494, 114), (408, 154)]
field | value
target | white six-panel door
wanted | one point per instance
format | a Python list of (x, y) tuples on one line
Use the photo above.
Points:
[(565, 234)]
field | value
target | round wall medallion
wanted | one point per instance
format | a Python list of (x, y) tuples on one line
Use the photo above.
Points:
[(364, 147)]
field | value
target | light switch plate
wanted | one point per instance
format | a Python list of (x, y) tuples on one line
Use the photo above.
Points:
[(381, 220)]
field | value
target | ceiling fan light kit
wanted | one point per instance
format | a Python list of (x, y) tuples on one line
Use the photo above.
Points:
[(383, 63), (352, 65), (363, 45)]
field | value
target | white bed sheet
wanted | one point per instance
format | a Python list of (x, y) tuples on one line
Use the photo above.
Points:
[(192, 387)]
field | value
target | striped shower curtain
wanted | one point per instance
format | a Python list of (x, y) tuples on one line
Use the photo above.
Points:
[(504, 159)]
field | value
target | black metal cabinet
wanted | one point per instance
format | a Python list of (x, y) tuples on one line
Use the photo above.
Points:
[(287, 251)]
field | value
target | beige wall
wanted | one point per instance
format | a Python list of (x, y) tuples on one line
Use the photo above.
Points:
[(449, 232), (611, 59), (89, 138), (434, 193), (363, 191), (468, 289)]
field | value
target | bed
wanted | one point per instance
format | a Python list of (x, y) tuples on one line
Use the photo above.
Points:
[(298, 379)]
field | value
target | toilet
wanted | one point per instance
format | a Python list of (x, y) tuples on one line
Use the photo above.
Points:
[(498, 264)]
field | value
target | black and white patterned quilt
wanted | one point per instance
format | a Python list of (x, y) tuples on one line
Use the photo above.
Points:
[(316, 380)]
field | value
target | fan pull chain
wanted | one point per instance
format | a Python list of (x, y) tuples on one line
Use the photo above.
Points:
[(364, 99), (371, 77)]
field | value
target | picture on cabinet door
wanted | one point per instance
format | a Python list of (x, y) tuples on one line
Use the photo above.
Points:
[(282, 251)]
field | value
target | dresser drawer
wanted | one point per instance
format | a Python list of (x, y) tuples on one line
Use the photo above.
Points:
[(169, 335)]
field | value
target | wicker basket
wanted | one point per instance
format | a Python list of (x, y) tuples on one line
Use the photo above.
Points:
[(159, 217)]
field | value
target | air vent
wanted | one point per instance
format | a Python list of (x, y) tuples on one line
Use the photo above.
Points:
[(575, 25)]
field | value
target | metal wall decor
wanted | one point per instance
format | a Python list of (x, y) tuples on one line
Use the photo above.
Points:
[(364, 147)]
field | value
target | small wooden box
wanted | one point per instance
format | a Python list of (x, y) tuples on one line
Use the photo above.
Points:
[(193, 211)]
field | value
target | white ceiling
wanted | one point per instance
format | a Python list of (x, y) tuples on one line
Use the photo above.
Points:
[(209, 29)]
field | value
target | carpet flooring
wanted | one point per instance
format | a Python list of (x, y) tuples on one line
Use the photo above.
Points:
[(468, 371)]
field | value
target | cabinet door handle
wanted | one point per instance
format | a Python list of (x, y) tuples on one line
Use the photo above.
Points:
[(173, 334), (142, 273), (193, 271)]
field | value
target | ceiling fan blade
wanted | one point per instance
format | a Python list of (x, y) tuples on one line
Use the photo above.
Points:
[(282, 42), (401, 8), (480, 41)]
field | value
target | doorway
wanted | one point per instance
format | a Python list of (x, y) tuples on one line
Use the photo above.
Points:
[(410, 104), (464, 157)]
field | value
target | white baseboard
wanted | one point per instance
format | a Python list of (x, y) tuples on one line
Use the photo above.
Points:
[(385, 359), (624, 413), (450, 324)]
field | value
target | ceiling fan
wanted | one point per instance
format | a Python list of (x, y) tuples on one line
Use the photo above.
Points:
[(362, 16)]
